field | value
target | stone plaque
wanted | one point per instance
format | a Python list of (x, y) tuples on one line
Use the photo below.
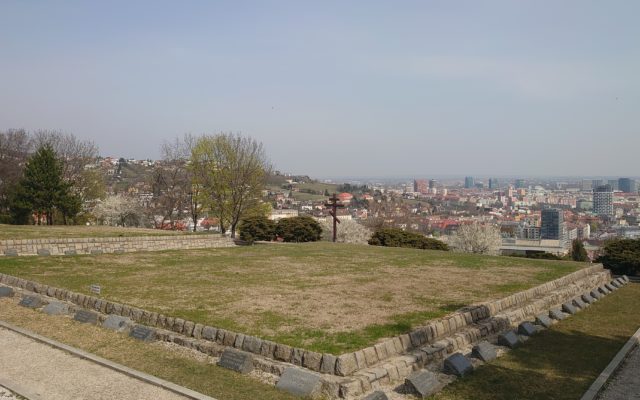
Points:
[(11, 252), (56, 308), (143, 333), (377, 395), (527, 329), (604, 290), (509, 339), (31, 302), (422, 383), (544, 320), (596, 294), (70, 253), (6, 291), (578, 302), (96, 251), (299, 382), (569, 308), (484, 351), (117, 323), (86, 317), (457, 364), (587, 298), (236, 360), (557, 314), (44, 252)]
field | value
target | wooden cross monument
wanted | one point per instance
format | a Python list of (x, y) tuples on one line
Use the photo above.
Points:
[(334, 205)]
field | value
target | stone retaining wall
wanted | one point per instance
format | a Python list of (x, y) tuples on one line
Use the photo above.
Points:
[(485, 318), (96, 245)]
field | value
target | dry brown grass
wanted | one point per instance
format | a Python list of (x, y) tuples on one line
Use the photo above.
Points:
[(312, 295), (77, 231)]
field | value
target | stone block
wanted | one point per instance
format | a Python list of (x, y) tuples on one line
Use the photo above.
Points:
[(527, 329), (596, 294), (282, 352), (6, 291), (346, 364), (422, 384), (625, 278), (11, 252), (557, 314), (578, 302), (610, 287), (312, 360), (544, 320), (484, 351), (209, 333), (616, 284), (603, 289), (328, 365), (457, 364), (143, 333), (44, 252), (299, 382), (236, 360), (509, 339), (370, 355), (377, 395), (587, 298), (70, 253), (56, 308), (569, 308), (117, 323)]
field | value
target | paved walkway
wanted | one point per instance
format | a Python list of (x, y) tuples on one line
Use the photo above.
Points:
[(52, 374), (625, 385)]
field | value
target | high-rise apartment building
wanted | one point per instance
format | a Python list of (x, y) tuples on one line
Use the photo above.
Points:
[(493, 183), (420, 186), (627, 185), (596, 183), (613, 183), (469, 182), (432, 183), (603, 201), (552, 224)]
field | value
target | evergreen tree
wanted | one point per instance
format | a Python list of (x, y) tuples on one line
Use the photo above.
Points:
[(578, 252), (42, 189)]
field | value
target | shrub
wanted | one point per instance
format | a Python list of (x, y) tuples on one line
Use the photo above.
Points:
[(349, 231), (393, 237), (299, 229), (257, 228), (621, 256), (578, 252)]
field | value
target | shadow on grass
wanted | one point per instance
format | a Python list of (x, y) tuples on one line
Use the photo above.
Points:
[(552, 365)]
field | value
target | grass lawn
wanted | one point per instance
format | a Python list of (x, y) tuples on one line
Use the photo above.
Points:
[(172, 363), (75, 231), (320, 296), (559, 363)]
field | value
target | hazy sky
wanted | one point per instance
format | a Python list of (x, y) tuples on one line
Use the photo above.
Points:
[(338, 88)]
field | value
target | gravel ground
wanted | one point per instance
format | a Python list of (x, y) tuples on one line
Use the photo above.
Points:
[(625, 385), (57, 375)]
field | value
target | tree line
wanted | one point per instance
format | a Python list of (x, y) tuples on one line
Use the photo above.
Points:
[(47, 177)]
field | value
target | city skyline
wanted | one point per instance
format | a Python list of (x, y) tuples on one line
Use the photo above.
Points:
[(532, 88)]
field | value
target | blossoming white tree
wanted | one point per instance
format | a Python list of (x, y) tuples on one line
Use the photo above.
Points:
[(477, 239)]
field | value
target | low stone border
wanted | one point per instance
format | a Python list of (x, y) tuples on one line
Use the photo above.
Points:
[(20, 390), (604, 376), (191, 394), (116, 245)]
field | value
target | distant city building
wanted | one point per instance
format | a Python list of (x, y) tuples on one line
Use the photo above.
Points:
[(586, 185), (627, 185), (603, 200), (596, 183), (432, 183), (493, 183), (420, 186), (584, 205), (613, 183), (552, 224), (469, 182), (520, 184)]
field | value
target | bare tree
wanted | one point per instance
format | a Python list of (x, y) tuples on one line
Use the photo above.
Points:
[(15, 147), (478, 239), (233, 171)]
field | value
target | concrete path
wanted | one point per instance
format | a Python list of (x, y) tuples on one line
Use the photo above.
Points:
[(50, 374), (625, 384)]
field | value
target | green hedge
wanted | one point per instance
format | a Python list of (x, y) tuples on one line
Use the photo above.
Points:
[(393, 237)]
